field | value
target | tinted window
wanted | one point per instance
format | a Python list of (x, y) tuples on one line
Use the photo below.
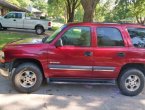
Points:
[(18, 15), (137, 36), (77, 36), (109, 37), (10, 15)]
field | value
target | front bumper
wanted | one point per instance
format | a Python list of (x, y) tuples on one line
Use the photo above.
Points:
[(5, 69)]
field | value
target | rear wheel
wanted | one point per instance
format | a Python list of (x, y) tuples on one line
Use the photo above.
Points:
[(131, 82), (1, 27), (27, 78), (39, 30), (5, 28)]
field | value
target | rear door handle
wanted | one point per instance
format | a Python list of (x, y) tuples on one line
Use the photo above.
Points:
[(88, 53), (121, 54), (14, 20)]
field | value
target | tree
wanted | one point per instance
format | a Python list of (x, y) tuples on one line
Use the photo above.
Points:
[(139, 10), (14, 2), (41, 5), (89, 8), (122, 12), (101, 10), (71, 5), (128, 9), (57, 10), (20, 3), (79, 14)]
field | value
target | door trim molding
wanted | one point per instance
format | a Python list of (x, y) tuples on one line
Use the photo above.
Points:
[(103, 68), (70, 67), (81, 68)]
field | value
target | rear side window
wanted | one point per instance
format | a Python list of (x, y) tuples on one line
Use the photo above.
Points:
[(137, 36), (19, 15), (108, 36)]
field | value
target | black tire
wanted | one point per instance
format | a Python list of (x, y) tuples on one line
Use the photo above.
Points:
[(18, 78), (126, 86), (1, 28), (5, 28), (39, 30)]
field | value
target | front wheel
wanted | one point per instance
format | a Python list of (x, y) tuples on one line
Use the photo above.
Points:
[(131, 82), (27, 78)]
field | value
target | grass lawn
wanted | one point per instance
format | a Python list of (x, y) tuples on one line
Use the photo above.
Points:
[(6, 37)]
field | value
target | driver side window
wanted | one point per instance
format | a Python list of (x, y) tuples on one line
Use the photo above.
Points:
[(77, 36), (10, 15)]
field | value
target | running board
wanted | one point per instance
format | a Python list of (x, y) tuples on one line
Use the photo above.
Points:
[(81, 81)]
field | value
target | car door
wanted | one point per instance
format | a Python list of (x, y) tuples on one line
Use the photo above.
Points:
[(19, 20), (9, 20), (110, 52), (73, 58)]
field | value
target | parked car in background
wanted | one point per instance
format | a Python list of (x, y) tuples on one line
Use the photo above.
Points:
[(80, 53), (19, 20)]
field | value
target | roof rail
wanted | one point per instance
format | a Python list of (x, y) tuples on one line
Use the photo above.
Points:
[(120, 23)]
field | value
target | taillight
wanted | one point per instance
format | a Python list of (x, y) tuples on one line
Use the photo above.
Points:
[(49, 23)]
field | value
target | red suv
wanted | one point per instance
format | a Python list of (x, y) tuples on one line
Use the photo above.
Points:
[(80, 53)]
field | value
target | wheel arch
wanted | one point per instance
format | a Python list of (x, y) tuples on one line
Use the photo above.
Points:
[(139, 66), (39, 25), (19, 61), (1, 24)]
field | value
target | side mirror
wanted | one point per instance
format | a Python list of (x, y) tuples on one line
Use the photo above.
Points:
[(6, 16), (59, 43), (44, 39)]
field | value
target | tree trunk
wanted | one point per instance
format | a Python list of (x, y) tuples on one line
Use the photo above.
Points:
[(88, 15), (89, 8), (71, 6), (140, 20), (70, 17)]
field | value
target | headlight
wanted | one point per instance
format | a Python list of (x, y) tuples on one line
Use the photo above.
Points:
[(2, 55)]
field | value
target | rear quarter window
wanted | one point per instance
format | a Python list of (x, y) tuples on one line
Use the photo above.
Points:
[(137, 36)]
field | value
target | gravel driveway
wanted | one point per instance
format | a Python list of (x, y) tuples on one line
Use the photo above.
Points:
[(68, 97)]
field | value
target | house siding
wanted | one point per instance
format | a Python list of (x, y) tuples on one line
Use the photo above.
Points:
[(5, 7), (3, 10)]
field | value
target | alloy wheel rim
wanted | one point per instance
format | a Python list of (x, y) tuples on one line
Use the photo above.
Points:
[(39, 31), (27, 79), (132, 82)]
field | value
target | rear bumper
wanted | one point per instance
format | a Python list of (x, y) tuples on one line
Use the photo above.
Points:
[(5, 69)]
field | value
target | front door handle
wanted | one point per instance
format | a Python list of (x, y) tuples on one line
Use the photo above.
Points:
[(88, 53), (121, 54), (14, 20)]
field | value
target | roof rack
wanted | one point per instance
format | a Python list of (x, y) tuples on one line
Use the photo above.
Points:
[(131, 23), (120, 23), (107, 22)]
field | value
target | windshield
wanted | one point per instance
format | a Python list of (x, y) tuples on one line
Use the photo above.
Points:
[(52, 37)]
